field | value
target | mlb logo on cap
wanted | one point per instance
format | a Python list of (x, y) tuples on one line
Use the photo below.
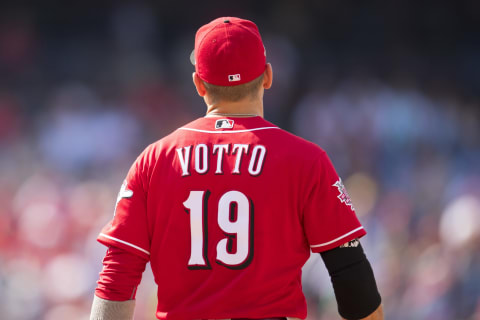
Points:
[(224, 124), (234, 77)]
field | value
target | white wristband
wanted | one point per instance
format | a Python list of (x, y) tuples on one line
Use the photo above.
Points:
[(112, 310)]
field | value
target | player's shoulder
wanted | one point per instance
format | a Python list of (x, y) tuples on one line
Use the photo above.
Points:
[(167, 142), (298, 145), (301, 143)]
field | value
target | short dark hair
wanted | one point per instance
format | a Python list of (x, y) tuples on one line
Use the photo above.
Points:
[(234, 93)]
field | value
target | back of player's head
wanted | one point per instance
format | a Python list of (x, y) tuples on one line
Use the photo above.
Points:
[(228, 52)]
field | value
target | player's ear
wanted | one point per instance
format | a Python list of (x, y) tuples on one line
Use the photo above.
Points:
[(199, 85), (268, 77)]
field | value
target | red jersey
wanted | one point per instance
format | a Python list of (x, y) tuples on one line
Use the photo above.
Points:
[(228, 210)]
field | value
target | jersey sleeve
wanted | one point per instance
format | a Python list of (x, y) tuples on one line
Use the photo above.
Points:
[(128, 228), (121, 274), (329, 217)]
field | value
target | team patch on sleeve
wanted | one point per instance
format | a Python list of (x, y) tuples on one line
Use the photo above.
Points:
[(343, 196)]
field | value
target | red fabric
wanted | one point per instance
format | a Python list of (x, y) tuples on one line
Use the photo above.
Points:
[(229, 51), (228, 213), (329, 216), (120, 276)]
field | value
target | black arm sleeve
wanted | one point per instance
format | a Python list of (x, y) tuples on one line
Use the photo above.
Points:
[(353, 281)]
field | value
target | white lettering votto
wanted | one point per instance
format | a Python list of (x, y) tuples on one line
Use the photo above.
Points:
[(201, 158)]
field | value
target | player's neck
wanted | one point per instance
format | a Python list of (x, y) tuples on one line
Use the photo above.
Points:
[(243, 108)]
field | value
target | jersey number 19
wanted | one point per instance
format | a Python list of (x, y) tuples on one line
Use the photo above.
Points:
[(235, 219)]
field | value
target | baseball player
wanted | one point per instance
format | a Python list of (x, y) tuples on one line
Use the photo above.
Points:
[(228, 208)]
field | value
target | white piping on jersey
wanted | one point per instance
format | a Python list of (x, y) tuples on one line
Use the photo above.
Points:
[(230, 131), (334, 240), (125, 242)]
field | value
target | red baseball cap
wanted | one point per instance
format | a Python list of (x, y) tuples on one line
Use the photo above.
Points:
[(228, 51)]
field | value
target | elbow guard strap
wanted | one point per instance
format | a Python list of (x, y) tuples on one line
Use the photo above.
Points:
[(353, 281)]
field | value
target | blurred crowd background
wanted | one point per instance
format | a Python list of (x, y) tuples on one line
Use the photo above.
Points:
[(391, 90)]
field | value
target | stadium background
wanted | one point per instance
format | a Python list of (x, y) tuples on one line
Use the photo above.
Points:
[(391, 90)]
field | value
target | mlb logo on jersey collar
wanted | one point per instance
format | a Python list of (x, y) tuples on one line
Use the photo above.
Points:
[(224, 124)]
